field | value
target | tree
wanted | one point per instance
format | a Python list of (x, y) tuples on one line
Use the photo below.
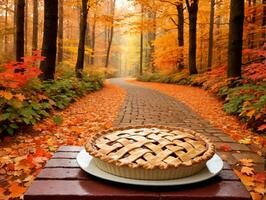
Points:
[(211, 35), (26, 27), (20, 30), (235, 38), (141, 43), (93, 38), (5, 36), (49, 39), (152, 36), (35, 26), (60, 31), (82, 38), (192, 7), (180, 28), (110, 33)]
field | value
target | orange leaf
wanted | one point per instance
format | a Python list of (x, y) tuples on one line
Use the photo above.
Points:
[(256, 196), (262, 127), (20, 97), (246, 180), (246, 162), (16, 190), (6, 95), (247, 170), (225, 147)]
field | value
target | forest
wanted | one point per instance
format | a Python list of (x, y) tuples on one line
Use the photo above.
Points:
[(55, 53)]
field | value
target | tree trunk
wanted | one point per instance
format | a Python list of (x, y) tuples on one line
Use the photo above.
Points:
[(141, 44), (235, 38), (151, 38), (82, 37), (93, 39), (110, 38), (26, 27), (15, 28), (49, 39), (60, 31), (35, 26), (20, 30), (88, 40), (180, 28), (6, 25), (211, 35), (192, 11)]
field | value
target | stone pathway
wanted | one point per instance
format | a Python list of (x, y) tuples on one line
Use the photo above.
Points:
[(147, 106)]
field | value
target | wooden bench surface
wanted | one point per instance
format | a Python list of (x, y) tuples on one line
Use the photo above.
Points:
[(63, 179)]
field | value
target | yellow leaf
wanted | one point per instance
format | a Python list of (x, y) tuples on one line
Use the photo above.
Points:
[(246, 162), (247, 170), (250, 113), (6, 95)]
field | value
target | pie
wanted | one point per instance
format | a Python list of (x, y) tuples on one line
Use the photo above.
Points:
[(150, 152)]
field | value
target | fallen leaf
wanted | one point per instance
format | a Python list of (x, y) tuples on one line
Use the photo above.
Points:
[(247, 170), (225, 147), (246, 162), (16, 190)]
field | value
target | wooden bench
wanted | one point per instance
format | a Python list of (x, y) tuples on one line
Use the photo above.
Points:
[(63, 179)]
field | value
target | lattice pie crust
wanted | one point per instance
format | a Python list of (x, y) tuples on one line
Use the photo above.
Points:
[(150, 152)]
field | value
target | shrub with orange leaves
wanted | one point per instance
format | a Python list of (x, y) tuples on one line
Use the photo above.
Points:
[(15, 75)]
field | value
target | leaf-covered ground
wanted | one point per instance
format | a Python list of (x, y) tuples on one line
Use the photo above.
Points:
[(210, 108), (23, 156)]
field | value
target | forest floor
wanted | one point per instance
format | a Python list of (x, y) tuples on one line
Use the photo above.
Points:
[(128, 103), (24, 155)]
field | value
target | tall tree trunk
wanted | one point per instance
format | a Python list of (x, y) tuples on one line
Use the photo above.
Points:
[(211, 35), (20, 30), (82, 36), (218, 34), (88, 40), (26, 27), (151, 38), (93, 39), (49, 39), (193, 12), (35, 26), (60, 31), (235, 38), (141, 44), (6, 25), (110, 38), (180, 28), (15, 28)]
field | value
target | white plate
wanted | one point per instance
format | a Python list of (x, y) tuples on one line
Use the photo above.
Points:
[(214, 166)]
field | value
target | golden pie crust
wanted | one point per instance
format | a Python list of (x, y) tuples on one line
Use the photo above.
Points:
[(150, 152)]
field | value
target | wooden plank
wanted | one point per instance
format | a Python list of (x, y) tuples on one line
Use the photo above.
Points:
[(70, 148), (72, 155), (222, 190), (229, 175), (89, 190), (63, 174), (62, 163)]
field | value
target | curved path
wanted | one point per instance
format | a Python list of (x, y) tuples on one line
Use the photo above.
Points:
[(147, 106)]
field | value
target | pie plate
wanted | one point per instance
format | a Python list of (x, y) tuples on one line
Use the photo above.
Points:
[(213, 167)]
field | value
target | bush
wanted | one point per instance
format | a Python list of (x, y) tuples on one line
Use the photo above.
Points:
[(245, 97), (24, 100)]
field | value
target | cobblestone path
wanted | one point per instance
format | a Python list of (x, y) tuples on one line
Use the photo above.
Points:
[(146, 106)]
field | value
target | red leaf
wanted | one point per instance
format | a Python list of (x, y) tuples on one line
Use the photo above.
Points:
[(225, 147)]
